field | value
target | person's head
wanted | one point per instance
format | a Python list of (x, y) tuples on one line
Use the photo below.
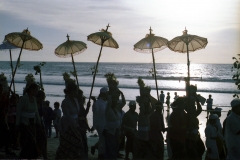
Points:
[(40, 96), (175, 93), (71, 90), (179, 104), (13, 99), (210, 96), (161, 91), (236, 106), (1, 88), (103, 93), (159, 106), (56, 105), (115, 97), (212, 119), (218, 111), (32, 89), (192, 90), (168, 93), (47, 103), (132, 106)]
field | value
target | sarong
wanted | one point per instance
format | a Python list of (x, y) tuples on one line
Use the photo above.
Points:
[(129, 143), (157, 149), (111, 142), (140, 149), (71, 146), (41, 140), (178, 149), (28, 141)]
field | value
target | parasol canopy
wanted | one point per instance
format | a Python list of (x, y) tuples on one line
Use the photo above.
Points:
[(7, 46), (102, 38), (23, 40), (151, 44), (185, 44), (180, 43), (71, 48)]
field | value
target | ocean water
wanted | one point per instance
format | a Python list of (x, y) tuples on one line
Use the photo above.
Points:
[(214, 79), (209, 78)]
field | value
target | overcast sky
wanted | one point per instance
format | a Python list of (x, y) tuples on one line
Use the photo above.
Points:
[(51, 20)]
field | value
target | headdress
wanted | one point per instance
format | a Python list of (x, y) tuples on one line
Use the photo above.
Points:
[(142, 86), (112, 81), (68, 80)]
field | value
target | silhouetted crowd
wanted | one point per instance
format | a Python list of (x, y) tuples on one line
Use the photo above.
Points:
[(26, 122)]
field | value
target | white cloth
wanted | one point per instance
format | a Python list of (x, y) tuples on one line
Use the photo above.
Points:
[(69, 109), (98, 109), (231, 136), (26, 110), (112, 116), (101, 141), (176, 97), (58, 114), (210, 133)]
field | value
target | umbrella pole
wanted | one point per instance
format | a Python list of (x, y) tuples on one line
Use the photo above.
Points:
[(74, 69), (95, 72), (188, 64), (41, 80), (16, 66), (12, 68), (155, 76)]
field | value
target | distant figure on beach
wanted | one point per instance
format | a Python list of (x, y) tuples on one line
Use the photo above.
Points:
[(176, 96), (71, 145), (129, 124), (47, 118), (57, 113), (162, 97), (209, 104), (99, 121), (177, 129), (168, 99), (157, 128), (27, 119), (232, 131), (212, 134)]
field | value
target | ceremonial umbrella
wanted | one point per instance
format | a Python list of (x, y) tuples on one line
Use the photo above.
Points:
[(185, 44), (23, 40), (7, 46), (102, 38), (151, 44), (71, 48)]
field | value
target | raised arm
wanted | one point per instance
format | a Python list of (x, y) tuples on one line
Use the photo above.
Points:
[(120, 106), (199, 107)]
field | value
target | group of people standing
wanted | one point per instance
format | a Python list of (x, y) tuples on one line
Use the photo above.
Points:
[(33, 116), (26, 122)]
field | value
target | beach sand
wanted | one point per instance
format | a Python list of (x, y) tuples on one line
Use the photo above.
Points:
[(52, 145)]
